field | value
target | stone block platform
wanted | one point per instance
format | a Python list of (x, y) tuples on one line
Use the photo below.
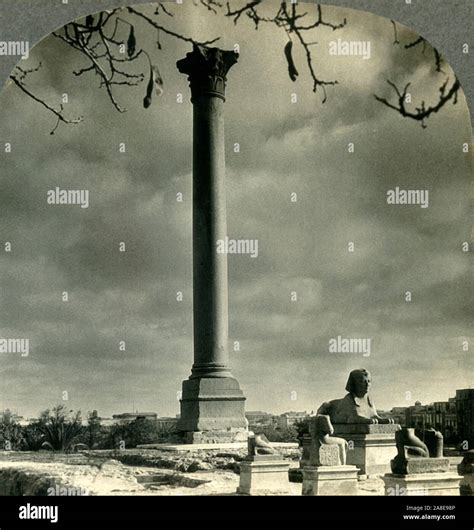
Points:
[(262, 475), (330, 480), (422, 484), (371, 446)]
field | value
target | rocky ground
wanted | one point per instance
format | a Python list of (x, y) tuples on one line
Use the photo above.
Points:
[(135, 472)]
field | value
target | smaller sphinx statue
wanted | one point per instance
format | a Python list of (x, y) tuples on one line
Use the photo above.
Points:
[(263, 469), (411, 447), (326, 449), (258, 444)]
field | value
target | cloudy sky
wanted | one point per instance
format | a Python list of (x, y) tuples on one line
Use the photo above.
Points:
[(284, 361)]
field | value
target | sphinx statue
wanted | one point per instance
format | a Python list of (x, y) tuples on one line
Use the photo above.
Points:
[(410, 446), (324, 445), (258, 444), (355, 418), (356, 406)]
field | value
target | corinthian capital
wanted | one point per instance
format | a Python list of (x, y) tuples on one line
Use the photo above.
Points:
[(207, 69)]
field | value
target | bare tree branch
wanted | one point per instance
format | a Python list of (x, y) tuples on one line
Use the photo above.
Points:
[(164, 9), (97, 41), (321, 22), (247, 9), (19, 82), (210, 5), (291, 21), (100, 40), (395, 31), (438, 60), (422, 112), (169, 32), (419, 40)]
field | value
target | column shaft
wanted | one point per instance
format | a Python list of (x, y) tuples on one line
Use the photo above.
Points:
[(210, 297)]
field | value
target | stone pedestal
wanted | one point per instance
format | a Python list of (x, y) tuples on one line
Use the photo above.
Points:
[(306, 451), (371, 446), (422, 484), (466, 469), (330, 480), (413, 475), (296, 474), (263, 475), (212, 404), (467, 484)]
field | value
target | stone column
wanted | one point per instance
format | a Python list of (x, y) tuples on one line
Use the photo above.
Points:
[(212, 404)]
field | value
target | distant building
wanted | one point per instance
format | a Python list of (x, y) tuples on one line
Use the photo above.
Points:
[(465, 414), (257, 418), (256, 415), (107, 422), (16, 418), (166, 424), (440, 415), (453, 418), (445, 418), (128, 417), (417, 416), (288, 419), (8, 413), (399, 415)]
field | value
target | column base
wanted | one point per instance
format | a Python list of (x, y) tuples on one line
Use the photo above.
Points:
[(215, 436), (212, 410)]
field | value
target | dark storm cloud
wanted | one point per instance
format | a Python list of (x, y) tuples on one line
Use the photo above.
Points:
[(303, 247)]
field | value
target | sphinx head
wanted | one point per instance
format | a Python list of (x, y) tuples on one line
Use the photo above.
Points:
[(359, 382)]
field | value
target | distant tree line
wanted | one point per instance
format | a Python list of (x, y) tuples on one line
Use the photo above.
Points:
[(60, 429)]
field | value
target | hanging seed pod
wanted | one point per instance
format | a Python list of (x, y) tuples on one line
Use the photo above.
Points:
[(131, 42), (147, 102), (158, 43), (156, 82), (149, 91), (292, 71)]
